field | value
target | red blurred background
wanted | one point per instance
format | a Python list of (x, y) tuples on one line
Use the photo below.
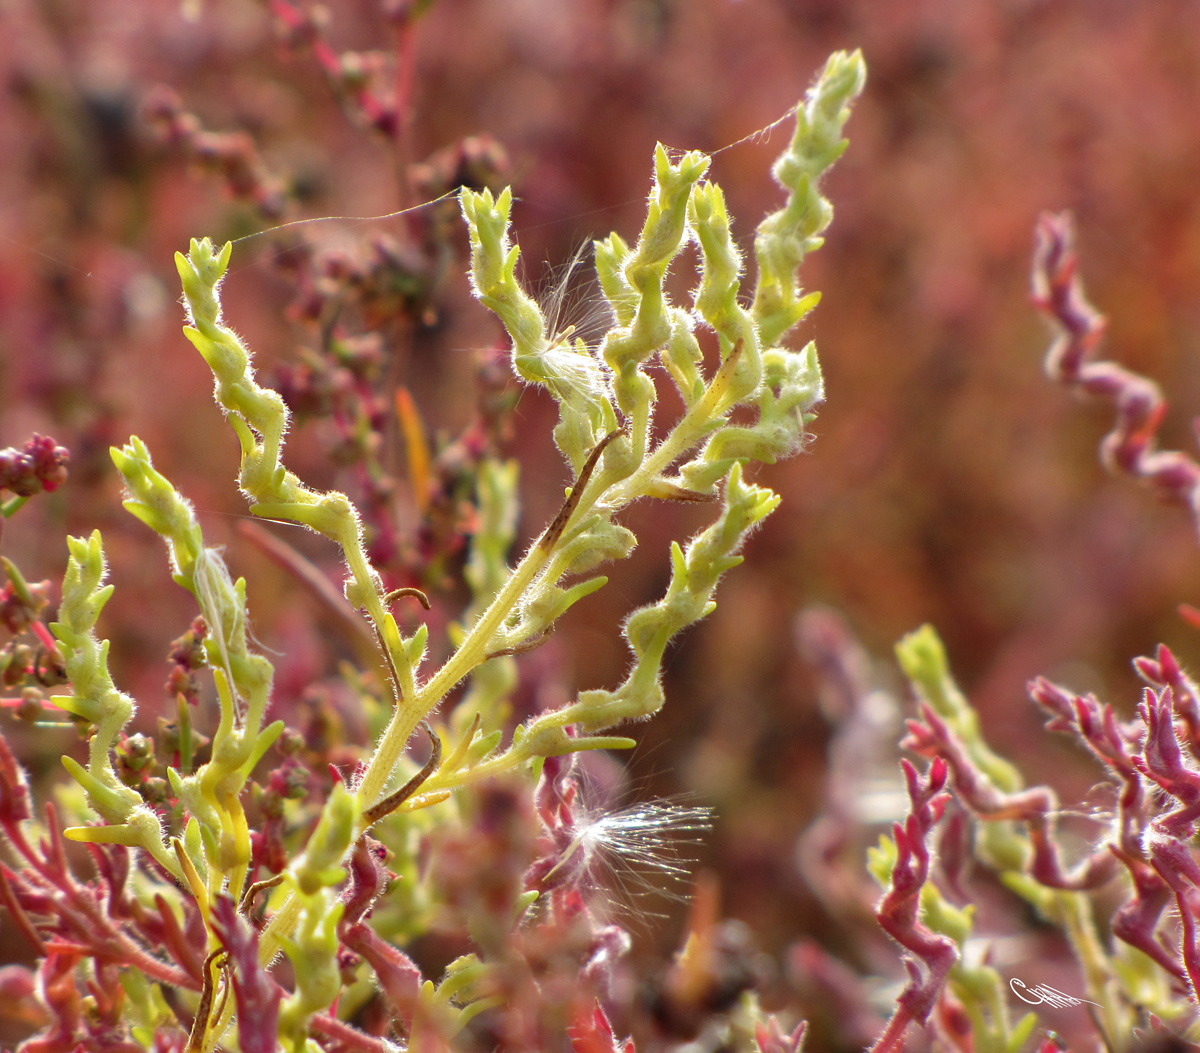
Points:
[(948, 480)]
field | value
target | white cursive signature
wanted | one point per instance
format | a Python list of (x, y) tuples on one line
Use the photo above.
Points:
[(1044, 993)]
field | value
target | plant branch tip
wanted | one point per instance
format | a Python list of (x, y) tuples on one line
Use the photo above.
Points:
[(408, 592)]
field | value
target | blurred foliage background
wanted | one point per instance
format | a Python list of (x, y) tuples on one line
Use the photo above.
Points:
[(948, 481)]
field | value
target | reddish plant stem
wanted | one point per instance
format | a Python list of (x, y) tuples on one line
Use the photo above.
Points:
[(349, 1037), (1036, 807), (1131, 446), (49, 878), (19, 917), (1176, 865), (899, 910)]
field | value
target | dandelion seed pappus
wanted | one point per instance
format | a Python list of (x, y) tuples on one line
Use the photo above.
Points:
[(572, 302), (618, 859)]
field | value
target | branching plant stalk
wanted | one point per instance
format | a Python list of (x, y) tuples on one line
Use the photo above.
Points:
[(606, 401), (414, 708)]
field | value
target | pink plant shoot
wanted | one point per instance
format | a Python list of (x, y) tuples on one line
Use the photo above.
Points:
[(899, 912), (1131, 446)]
